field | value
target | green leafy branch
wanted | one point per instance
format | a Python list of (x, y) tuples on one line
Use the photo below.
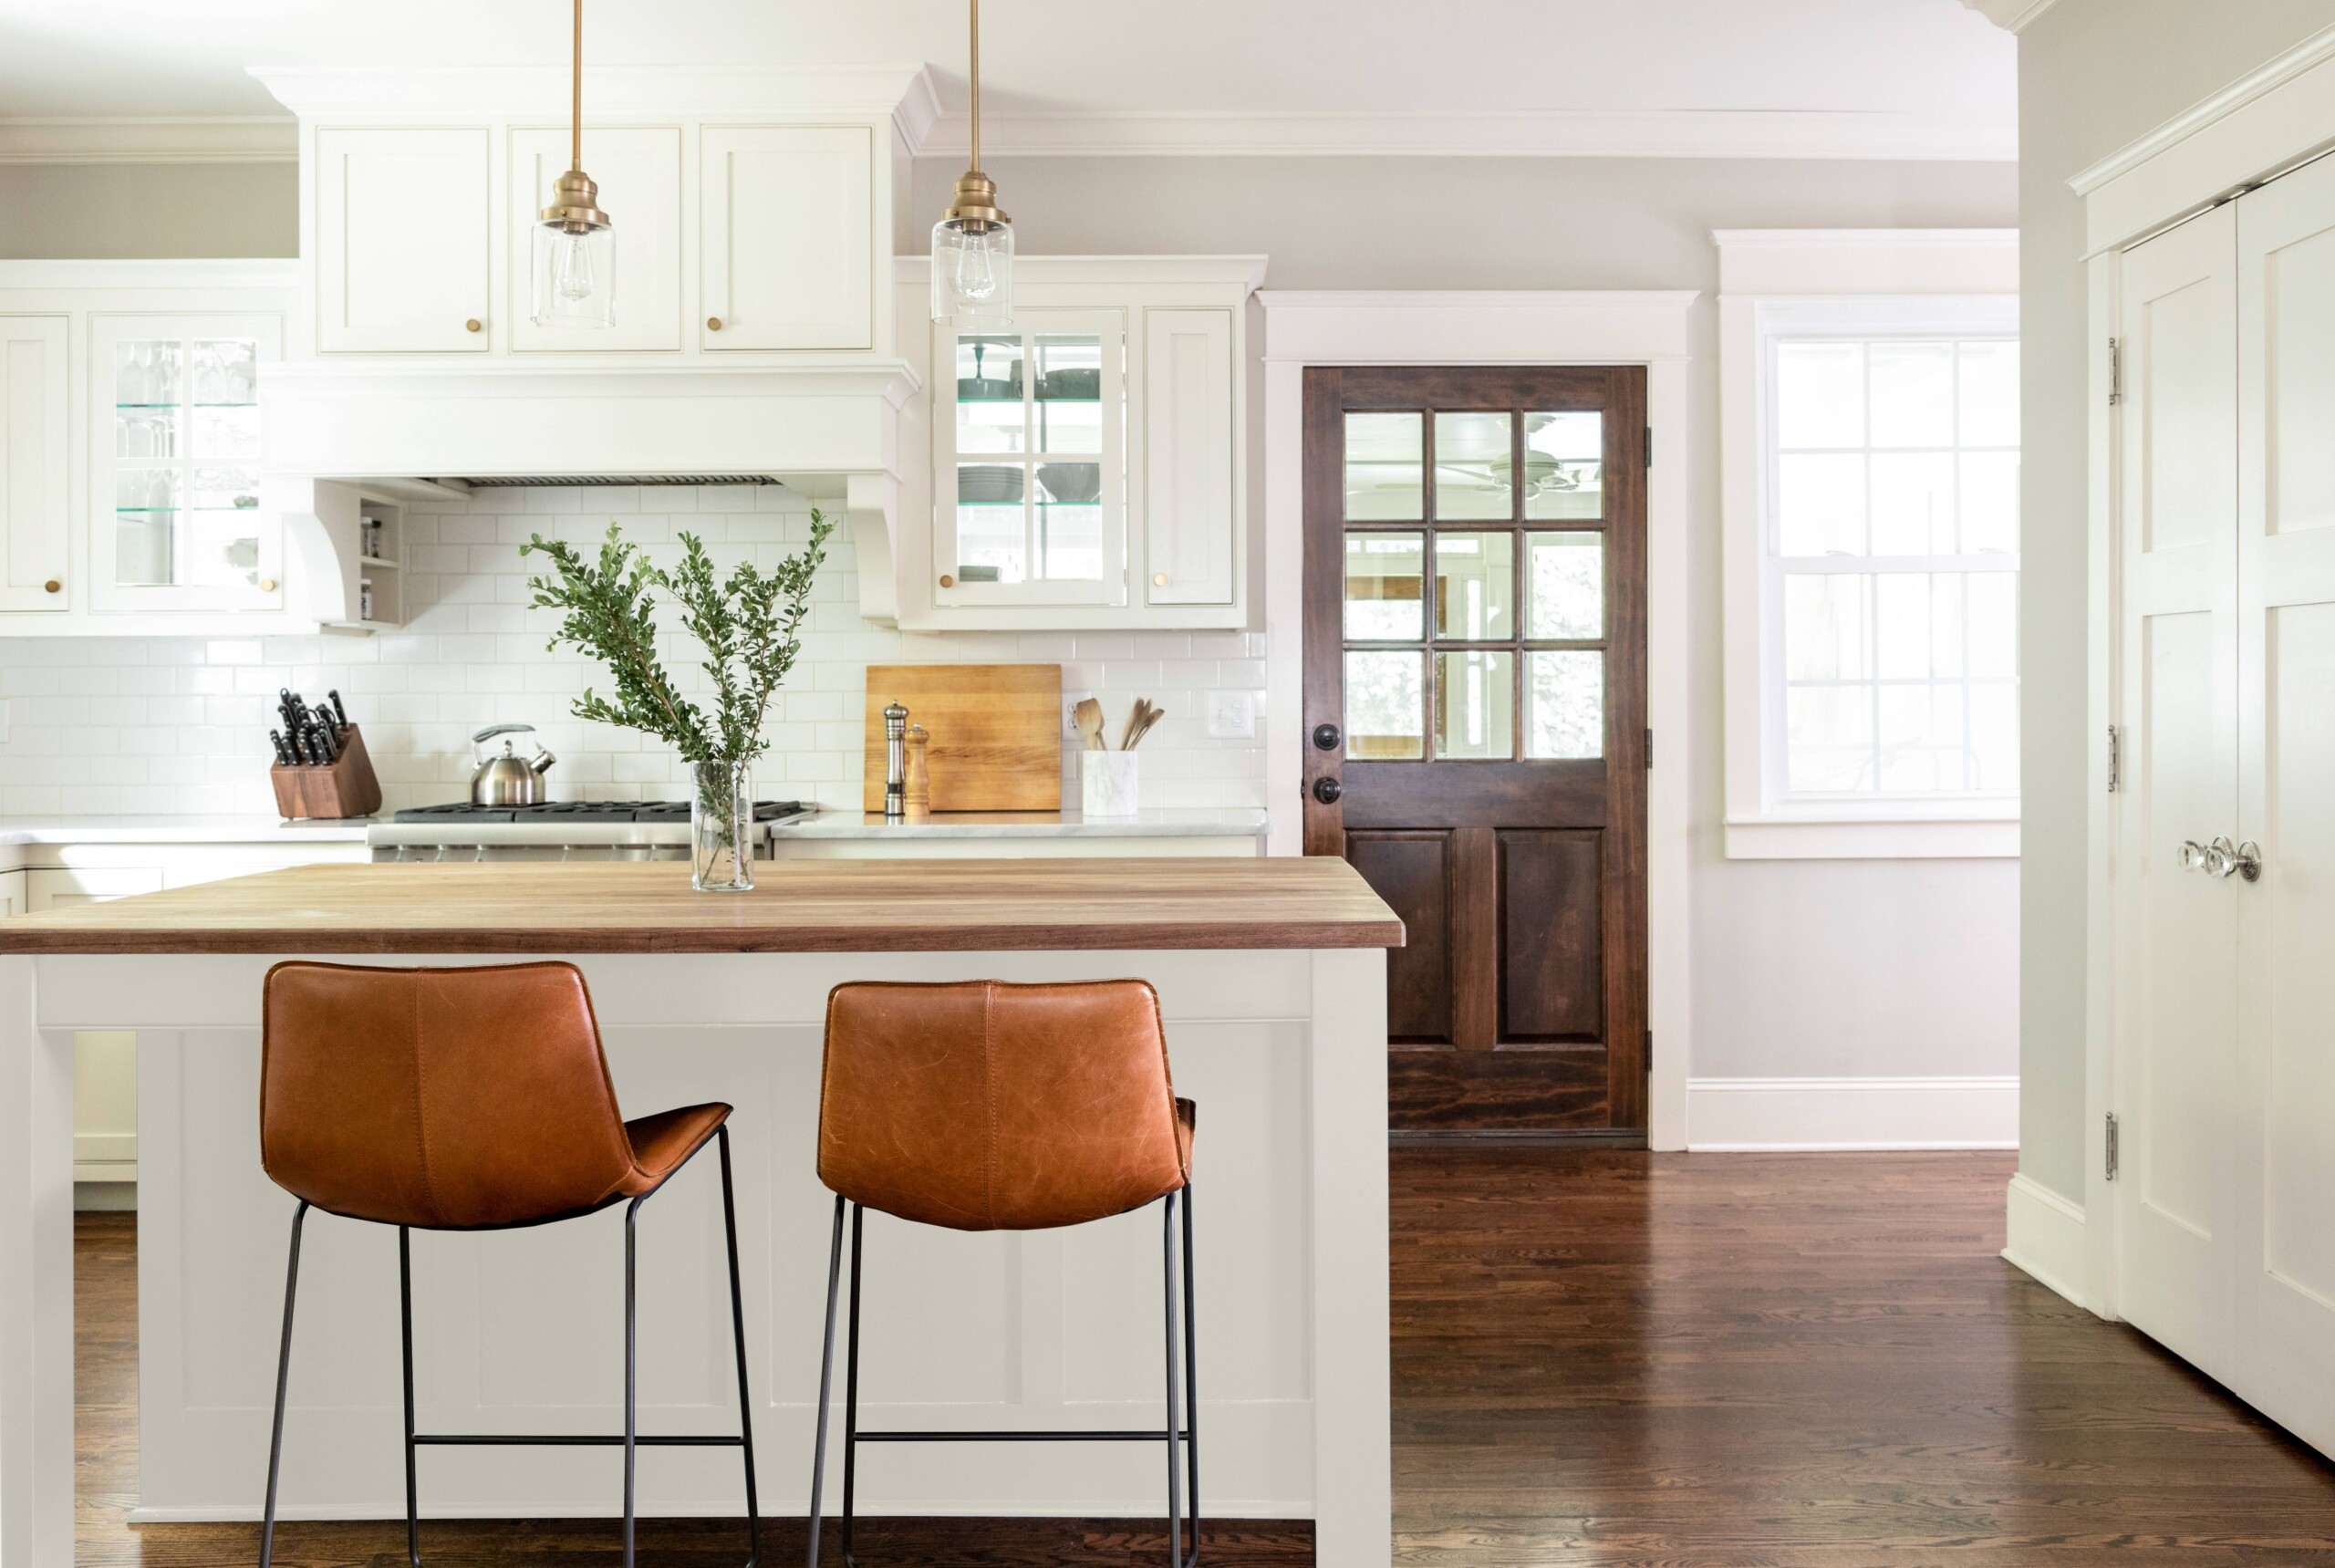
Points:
[(747, 624)]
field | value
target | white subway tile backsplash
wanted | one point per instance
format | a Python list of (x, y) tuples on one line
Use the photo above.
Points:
[(180, 724)]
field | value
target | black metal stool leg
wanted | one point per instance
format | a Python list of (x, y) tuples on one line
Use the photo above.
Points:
[(405, 1337), (1175, 1460), (738, 1329), (851, 1391), (827, 1379), (1191, 1388), (631, 1364), (283, 1375)]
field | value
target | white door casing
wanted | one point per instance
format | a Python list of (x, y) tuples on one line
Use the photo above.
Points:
[(2177, 1209)]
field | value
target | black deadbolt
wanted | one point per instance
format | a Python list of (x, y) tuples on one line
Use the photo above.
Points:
[(1327, 790), (1326, 737)]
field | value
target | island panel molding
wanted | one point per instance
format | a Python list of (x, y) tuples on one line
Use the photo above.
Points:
[(914, 906)]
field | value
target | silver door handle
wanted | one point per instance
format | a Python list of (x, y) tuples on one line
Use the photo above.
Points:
[(2244, 859), (2195, 857)]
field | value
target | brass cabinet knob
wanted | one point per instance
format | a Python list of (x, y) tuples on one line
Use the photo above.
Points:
[(53, 585), (472, 325), (713, 324), (946, 581), (267, 584), (1158, 579)]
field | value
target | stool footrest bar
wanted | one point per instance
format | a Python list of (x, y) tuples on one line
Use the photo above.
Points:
[(575, 1440), (1160, 1436)]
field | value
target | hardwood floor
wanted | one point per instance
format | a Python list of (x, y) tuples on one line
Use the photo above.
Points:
[(1601, 1360)]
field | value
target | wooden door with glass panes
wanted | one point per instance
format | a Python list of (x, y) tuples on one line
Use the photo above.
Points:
[(176, 522), (1033, 436), (1475, 716)]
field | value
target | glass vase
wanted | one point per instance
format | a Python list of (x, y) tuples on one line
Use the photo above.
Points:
[(722, 829)]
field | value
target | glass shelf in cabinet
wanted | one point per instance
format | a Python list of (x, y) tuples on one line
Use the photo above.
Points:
[(146, 511)]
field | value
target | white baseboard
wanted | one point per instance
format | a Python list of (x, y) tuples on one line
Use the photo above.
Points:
[(1746, 1114), (2046, 1239)]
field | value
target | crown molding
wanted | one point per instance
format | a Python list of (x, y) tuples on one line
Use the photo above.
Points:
[(1564, 133), (2009, 15), (240, 140), (421, 92)]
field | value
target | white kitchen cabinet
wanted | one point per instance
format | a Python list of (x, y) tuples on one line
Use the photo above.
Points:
[(62, 888), (35, 462), (105, 1062), (1188, 475), (175, 521), (786, 237), (12, 894), (403, 239), (639, 170), (1087, 467)]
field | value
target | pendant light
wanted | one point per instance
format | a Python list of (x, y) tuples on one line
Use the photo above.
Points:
[(972, 245), (575, 249)]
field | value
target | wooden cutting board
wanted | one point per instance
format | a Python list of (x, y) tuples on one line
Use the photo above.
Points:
[(996, 733)]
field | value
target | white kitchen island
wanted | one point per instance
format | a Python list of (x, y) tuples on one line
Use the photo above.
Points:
[(1272, 977)]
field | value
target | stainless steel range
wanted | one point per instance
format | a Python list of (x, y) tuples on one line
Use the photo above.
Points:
[(557, 830)]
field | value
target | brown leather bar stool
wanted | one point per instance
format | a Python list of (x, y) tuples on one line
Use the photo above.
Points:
[(467, 1099), (982, 1105)]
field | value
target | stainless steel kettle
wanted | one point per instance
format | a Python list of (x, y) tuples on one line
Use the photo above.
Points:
[(508, 780)]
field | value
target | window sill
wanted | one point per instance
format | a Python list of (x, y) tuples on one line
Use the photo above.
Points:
[(1853, 838)]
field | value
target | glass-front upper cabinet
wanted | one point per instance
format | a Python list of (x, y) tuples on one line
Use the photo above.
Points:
[(1030, 441), (175, 499)]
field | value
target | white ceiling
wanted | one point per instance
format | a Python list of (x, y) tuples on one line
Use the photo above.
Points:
[(1871, 77)]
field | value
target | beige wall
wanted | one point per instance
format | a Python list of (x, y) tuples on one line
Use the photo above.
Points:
[(78, 211), (2093, 76)]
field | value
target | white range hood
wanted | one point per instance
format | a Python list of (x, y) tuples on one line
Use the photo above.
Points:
[(754, 213)]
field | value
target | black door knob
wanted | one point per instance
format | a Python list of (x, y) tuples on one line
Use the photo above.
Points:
[(1326, 737), (1327, 790)]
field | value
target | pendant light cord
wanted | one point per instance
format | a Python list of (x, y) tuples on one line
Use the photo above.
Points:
[(576, 117), (976, 8)]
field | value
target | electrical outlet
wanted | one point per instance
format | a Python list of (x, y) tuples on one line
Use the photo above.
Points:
[(1232, 715), (1070, 702)]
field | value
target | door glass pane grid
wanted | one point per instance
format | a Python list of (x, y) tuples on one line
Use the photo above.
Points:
[(1031, 438), (1442, 616), (186, 444), (1892, 559)]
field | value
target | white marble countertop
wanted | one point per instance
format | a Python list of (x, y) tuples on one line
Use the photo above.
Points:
[(1163, 822), (163, 829)]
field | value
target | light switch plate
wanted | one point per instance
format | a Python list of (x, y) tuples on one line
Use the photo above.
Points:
[(1230, 715), (1070, 702)]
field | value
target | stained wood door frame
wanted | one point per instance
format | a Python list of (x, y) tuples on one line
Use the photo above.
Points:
[(1306, 328)]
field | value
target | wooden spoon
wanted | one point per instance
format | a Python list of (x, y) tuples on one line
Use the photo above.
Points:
[(1088, 716)]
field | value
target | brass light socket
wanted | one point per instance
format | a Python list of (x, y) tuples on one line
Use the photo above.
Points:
[(975, 208), (575, 204)]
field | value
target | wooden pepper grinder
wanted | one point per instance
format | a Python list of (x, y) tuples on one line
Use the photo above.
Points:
[(920, 780)]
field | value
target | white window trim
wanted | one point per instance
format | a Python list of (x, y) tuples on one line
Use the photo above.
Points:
[(1947, 281)]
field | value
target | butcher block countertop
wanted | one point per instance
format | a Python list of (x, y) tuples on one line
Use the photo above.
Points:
[(851, 906)]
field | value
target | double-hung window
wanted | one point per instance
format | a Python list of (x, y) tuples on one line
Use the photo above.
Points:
[(1873, 597)]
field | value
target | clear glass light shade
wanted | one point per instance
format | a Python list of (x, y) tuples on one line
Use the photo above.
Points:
[(972, 272), (575, 276)]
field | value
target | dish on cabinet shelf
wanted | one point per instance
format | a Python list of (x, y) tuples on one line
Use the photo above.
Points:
[(989, 484)]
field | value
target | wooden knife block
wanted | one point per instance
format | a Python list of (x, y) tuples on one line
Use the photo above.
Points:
[(342, 788)]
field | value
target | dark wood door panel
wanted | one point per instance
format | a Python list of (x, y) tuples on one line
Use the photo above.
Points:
[(1496, 794), (1551, 936), (1412, 871), (1552, 1089)]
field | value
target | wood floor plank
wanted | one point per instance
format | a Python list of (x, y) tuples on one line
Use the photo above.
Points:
[(1603, 1359)]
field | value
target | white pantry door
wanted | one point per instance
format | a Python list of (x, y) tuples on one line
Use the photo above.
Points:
[(2285, 701), (2178, 1097)]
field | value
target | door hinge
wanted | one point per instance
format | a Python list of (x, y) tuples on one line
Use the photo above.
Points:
[(2115, 372), (1649, 750), (1649, 446), (2112, 1146), (1649, 1050), (2115, 758)]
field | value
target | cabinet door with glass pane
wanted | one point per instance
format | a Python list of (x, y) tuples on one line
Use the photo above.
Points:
[(1030, 462), (1474, 718), (175, 520)]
